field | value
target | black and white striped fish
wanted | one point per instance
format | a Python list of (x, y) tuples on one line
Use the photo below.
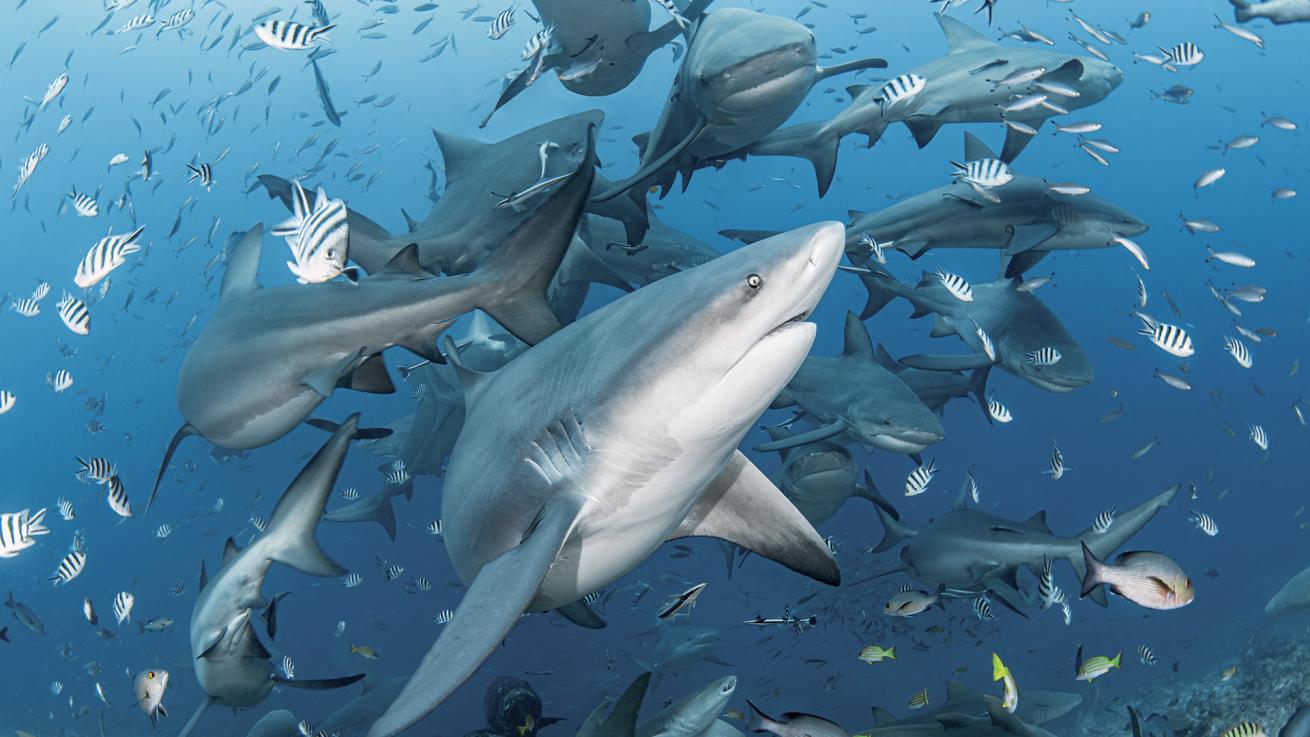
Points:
[(352, 580), (989, 348), (17, 530), (59, 380), (1169, 338), (592, 598), (350, 494), (7, 401), (875, 248), (986, 173), (900, 88), (1057, 467), (123, 603), (340, 629), (1142, 295), (435, 528), (95, 470), (204, 173), (1204, 522), (75, 315), (69, 568), (1103, 521), (164, 530), (1048, 594), (27, 167), (917, 482), (444, 616), (319, 12), (538, 45), (421, 583), (288, 667), (392, 572), (1185, 54), (108, 254), (177, 20), (141, 21), (1145, 654), (998, 411), (259, 523), (25, 306), (398, 475), (117, 497), (318, 235), (84, 204), (288, 35), (1044, 356), (1238, 350), (501, 24), (955, 284), (1258, 436), (66, 509), (971, 487), (982, 609)]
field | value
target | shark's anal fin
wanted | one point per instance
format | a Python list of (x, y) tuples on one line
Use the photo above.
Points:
[(1016, 142), (823, 432), (580, 614), (499, 593), (923, 129), (742, 506)]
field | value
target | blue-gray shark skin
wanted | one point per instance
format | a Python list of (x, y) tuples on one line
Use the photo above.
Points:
[(679, 646), (375, 507), (692, 714), (270, 356), (1157, 725), (664, 251), (965, 549), (960, 89), (231, 663), (992, 720), (277, 723), (857, 399), (1278, 11), (613, 718), (570, 471), (1293, 597), (362, 710), (1017, 322), (817, 477), (744, 74), (1035, 707), (1298, 725), (936, 388)]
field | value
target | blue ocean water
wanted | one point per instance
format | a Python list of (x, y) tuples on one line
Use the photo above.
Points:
[(130, 362)]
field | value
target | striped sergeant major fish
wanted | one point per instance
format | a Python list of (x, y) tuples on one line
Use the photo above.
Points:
[(95, 470), (108, 254), (286, 35), (123, 602), (983, 172), (1204, 522), (66, 510), (75, 315), (1103, 521), (69, 568), (1259, 437), (84, 204), (1057, 467), (25, 306), (204, 173), (319, 237), (175, 21), (1186, 54), (1169, 338), (137, 23), (17, 530), (117, 498), (899, 89), (28, 166), (501, 24)]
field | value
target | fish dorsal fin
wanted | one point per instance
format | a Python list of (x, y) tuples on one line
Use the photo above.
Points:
[(469, 378), (884, 357), (1038, 522), (241, 275), (230, 550), (956, 691), (961, 38), (457, 152), (405, 263), (882, 717), (975, 149), (858, 343)]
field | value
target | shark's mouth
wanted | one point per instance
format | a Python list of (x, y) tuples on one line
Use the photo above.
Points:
[(766, 88), (896, 445), (1055, 385)]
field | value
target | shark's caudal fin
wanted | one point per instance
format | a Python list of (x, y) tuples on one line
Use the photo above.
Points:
[(290, 535), (376, 508), (517, 274), (183, 432), (495, 599), (1102, 545), (371, 245), (582, 615), (882, 287), (818, 142), (748, 236)]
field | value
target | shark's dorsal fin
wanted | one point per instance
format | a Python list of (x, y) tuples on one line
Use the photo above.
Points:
[(457, 152), (882, 717), (469, 378), (1038, 522), (204, 576), (241, 275), (405, 263), (975, 149), (858, 343), (230, 550), (884, 357), (856, 90), (961, 38), (956, 691)]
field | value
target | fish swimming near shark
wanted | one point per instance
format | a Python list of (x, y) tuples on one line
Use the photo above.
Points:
[(962, 87), (548, 497), (232, 665)]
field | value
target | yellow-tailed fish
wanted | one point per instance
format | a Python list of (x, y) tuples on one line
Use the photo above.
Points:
[(1000, 673), (874, 654)]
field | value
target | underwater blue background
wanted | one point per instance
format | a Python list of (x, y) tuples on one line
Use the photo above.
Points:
[(132, 356)]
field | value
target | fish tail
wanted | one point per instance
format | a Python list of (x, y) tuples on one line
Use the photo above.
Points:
[(1093, 569), (816, 141), (761, 722)]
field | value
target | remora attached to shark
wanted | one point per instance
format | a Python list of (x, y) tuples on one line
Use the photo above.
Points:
[(961, 87), (744, 74), (1278, 11), (555, 492), (1017, 322), (968, 550), (270, 356), (232, 665)]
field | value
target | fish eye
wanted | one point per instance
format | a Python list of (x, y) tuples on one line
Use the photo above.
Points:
[(754, 281), (151, 675), (887, 422)]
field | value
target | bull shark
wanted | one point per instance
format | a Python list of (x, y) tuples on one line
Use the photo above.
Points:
[(679, 646), (232, 665), (1017, 322), (961, 87), (992, 720), (613, 718), (693, 714), (276, 723), (818, 477), (549, 494), (1035, 707), (1278, 11), (969, 550), (1030, 221), (364, 709), (270, 356), (744, 74), (375, 507), (936, 388), (854, 398), (1293, 597)]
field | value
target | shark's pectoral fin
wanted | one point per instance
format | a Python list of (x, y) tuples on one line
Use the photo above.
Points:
[(1022, 263), (241, 274), (1026, 237), (823, 432), (1015, 142), (742, 506), (325, 380), (851, 66), (923, 129), (371, 376), (580, 614), (499, 593), (941, 327), (318, 684), (966, 362), (656, 165), (210, 642)]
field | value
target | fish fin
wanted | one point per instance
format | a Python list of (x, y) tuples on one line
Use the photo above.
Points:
[(325, 380), (960, 37), (1136, 722), (270, 614), (521, 81), (518, 273), (495, 599), (230, 550), (1021, 263), (882, 288), (183, 432), (742, 506), (872, 62), (1038, 522), (204, 576), (882, 717), (823, 432), (582, 615), (1016, 142), (290, 534), (854, 215), (816, 141), (1092, 572), (914, 247), (978, 388), (318, 684), (858, 343), (975, 149), (1024, 238), (923, 129), (650, 169), (953, 720), (855, 90), (894, 531), (964, 362), (404, 264), (210, 642), (748, 236), (622, 719), (195, 718), (241, 275), (371, 376), (1005, 720), (940, 327)]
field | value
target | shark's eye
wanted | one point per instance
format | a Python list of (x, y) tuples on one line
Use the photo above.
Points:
[(754, 281)]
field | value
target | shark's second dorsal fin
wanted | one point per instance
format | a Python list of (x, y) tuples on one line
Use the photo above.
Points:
[(1038, 522), (241, 275), (405, 263), (230, 550), (975, 149), (457, 153), (858, 343), (959, 37), (469, 378)]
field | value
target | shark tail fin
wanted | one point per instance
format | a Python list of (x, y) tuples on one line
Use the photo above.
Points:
[(882, 288), (183, 432), (1092, 570), (519, 271), (894, 531), (817, 142), (290, 536), (978, 388), (1102, 545)]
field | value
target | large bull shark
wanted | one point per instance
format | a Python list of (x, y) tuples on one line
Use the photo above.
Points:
[(936, 388), (1016, 321), (972, 551), (744, 74), (1278, 11), (695, 715), (270, 356), (1035, 707), (818, 477), (570, 471), (232, 665), (961, 87), (989, 720), (854, 398)]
